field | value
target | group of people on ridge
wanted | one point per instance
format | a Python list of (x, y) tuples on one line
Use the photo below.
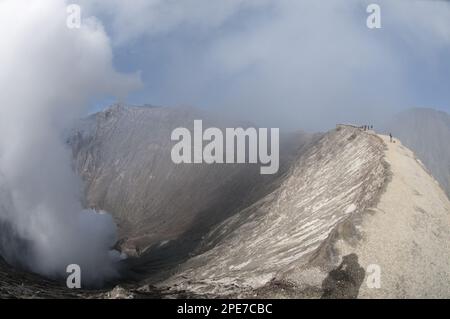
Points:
[(366, 127), (370, 127)]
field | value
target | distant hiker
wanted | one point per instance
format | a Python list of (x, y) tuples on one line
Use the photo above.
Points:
[(390, 135)]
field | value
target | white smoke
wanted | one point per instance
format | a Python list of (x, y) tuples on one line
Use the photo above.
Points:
[(48, 72)]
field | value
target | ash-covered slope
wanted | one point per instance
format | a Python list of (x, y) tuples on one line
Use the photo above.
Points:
[(341, 176), (123, 155), (427, 133), (406, 234), (352, 202)]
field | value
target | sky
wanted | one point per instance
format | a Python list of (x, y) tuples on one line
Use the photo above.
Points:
[(290, 64)]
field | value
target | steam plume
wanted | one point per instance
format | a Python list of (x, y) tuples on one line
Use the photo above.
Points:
[(48, 73)]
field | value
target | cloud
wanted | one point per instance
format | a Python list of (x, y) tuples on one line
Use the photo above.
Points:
[(147, 18), (48, 74), (284, 63)]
